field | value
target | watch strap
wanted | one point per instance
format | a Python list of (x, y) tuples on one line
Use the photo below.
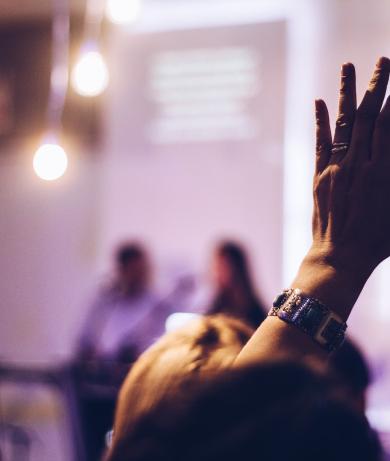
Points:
[(311, 316)]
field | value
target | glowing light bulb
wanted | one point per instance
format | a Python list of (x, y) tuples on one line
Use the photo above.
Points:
[(90, 75), (50, 162), (123, 11)]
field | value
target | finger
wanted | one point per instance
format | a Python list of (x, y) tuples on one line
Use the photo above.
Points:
[(381, 140), (346, 113), (323, 136), (368, 112)]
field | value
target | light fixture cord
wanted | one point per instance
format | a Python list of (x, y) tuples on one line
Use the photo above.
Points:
[(60, 61), (93, 20)]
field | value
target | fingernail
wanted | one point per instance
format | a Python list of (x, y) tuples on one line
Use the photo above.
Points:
[(347, 68)]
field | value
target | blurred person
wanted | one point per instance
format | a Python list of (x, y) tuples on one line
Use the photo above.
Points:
[(125, 318), (284, 410), (350, 366), (127, 315), (235, 294)]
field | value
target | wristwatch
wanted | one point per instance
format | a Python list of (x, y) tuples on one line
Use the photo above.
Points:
[(311, 316)]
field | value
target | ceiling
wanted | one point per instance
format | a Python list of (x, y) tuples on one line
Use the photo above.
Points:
[(29, 10)]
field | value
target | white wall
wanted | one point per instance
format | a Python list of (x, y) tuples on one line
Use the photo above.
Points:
[(47, 255), (182, 198)]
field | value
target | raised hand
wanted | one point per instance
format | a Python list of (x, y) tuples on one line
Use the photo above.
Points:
[(351, 220)]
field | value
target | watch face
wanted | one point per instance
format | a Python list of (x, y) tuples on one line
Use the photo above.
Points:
[(312, 317)]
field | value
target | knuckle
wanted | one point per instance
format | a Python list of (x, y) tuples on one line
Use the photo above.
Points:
[(321, 183), (378, 78), (374, 82), (318, 188), (320, 122), (323, 146), (333, 172), (343, 89), (337, 174), (344, 120), (318, 182)]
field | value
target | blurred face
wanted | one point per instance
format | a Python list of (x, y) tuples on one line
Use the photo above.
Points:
[(135, 274), (222, 271)]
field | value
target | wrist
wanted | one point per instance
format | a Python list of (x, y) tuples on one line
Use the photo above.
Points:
[(333, 279), (308, 314)]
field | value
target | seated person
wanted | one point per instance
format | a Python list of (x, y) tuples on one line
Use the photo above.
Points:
[(127, 315), (235, 294), (125, 319), (270, 405)]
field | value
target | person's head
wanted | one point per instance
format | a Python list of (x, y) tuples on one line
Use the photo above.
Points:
[(176, 364), (280, 411), (350, 366), (231, 266), (133, 268)]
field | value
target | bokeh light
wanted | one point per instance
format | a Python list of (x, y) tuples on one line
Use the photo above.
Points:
[(123, 11), (179, 319), (90, 75), (50, 162)]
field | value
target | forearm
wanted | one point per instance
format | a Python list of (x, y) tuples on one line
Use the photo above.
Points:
[(335, 284)]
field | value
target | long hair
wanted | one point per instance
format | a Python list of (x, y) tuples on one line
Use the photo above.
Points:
[(240, 298)]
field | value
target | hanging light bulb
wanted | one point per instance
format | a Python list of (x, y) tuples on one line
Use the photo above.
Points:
[(90, 75), (50, 160), (123, 11)]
